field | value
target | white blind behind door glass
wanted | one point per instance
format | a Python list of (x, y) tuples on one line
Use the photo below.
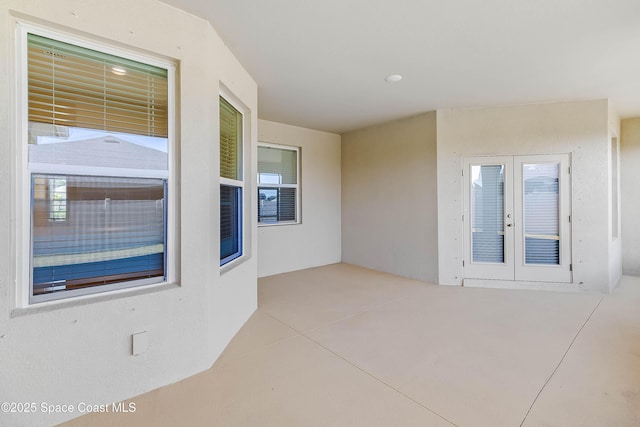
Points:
[(487, 213), (541, 213)]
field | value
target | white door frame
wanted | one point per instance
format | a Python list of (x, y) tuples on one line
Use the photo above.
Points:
[(480, 269), (514, 267), (539, 272)]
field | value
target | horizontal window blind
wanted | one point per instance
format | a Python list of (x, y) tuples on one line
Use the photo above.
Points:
[(487, 214), (541, 213), (276, 204), (287, 204), (79, 87), (90, 231), (230, 140)]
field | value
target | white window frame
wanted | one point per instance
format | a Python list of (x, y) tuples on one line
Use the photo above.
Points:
[(614, 174), (298, 219), (24, 285), (241, 183)]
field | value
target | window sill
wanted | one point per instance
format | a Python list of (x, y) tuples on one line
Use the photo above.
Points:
[(61, 304), (231, 265), (278, 224)]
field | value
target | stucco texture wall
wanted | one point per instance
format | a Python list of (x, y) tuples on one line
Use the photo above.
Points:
[(578, 128), (389, 210), (315, 240)]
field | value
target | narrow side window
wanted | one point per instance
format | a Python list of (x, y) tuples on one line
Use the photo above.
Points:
[(231, 182)]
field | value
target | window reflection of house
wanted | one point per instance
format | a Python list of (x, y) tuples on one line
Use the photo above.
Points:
[(91, 230), (268, 205)]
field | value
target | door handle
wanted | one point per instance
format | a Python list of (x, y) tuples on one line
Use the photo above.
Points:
[(509, 225)]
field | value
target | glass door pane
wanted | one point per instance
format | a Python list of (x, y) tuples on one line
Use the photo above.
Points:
[(541, 213), (487, 213)]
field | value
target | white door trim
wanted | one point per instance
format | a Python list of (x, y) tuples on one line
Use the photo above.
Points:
[(480, 269), (542, 272), (514, 268)]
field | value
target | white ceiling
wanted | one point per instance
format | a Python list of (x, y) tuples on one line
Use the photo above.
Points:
[(322, 64)]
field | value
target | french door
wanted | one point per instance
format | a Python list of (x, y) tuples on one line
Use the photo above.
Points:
[(517, 218)]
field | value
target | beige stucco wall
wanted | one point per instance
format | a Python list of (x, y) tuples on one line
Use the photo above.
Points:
[(630, 190), (389, 210), (578, 128), (80, 351), (316, 240)]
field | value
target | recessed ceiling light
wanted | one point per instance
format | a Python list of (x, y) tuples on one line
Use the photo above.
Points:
[(393, 78), (118, 71)]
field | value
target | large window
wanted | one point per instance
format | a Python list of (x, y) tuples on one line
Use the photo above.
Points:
[(231, 182), (278, 177), (98, 162)]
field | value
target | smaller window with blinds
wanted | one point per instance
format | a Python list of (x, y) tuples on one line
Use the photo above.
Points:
[(231, 182), (98, 156), (278, 184)]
